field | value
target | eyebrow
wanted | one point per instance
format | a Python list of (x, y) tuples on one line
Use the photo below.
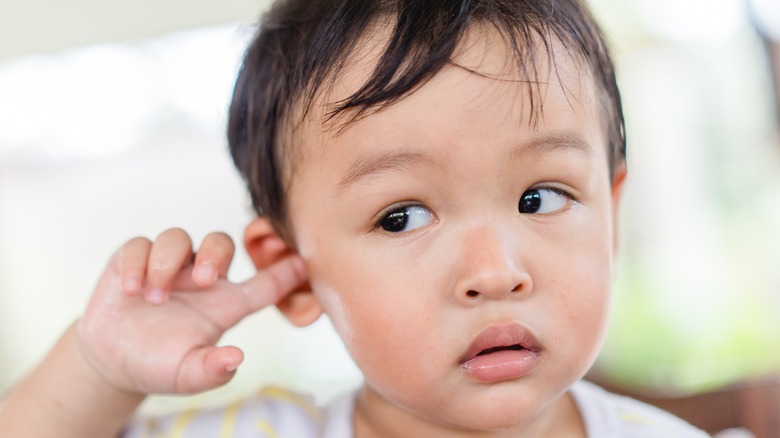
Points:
[(563, 141), (387, 162), (397, 161)]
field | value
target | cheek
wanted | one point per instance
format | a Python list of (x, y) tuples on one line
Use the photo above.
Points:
[(573, 276), (381, 309), (335, 308), (366, 302), (582, 295)]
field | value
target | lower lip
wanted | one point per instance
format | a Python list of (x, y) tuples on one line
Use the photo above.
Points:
[(501, 365)]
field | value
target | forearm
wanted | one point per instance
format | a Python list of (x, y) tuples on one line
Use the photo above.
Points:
[(64, 397)]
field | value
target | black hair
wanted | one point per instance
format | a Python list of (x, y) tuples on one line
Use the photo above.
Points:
[(301, 45)]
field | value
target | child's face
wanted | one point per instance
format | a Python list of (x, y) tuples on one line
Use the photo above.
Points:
[(478, 244)]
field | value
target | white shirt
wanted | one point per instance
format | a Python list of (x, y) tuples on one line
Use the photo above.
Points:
[(608, 415), (279, 413)]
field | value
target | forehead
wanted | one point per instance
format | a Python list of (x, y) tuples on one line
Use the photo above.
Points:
[(534, 60), (546, 87)]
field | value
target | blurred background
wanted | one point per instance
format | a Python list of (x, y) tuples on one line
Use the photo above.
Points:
[(112, 122)]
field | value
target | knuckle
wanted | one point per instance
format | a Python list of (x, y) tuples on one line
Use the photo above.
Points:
[(134, 251), (134, 246), (220, 240), (217, 247), (159, 265), (138, 241), (175, 235), (159, 275), (158, 268)]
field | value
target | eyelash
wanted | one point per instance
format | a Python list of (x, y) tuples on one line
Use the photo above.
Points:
[(553, 189), (557, 190), (386, 213)]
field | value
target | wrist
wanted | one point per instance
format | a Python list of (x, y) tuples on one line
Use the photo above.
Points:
[(85, 394), (65, 397), (92, 375)]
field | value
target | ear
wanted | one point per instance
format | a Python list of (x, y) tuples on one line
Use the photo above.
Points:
[(618, 179), (265, 248)]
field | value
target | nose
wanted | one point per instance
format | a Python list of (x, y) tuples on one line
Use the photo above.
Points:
[(492, 268)]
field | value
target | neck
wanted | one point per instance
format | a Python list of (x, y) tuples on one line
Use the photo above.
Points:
[(376, 417)]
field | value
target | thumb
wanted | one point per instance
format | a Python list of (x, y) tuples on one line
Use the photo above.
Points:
[(274, 282), (207, 368)]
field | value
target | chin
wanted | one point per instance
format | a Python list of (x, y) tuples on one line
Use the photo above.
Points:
[(498, 412), (493, 422)]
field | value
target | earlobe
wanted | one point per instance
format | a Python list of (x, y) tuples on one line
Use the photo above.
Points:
[(265, 247), (300, 307)]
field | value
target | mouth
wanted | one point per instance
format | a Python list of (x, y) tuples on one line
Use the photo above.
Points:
[(500, 353), (495, 349)]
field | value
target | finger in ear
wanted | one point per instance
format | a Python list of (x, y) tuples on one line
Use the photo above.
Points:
[(264, 246)]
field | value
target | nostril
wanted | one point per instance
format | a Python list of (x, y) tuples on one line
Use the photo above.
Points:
[(472, 294), (518, 288)]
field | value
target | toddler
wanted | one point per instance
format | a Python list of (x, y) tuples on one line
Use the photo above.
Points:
[(441, 178)]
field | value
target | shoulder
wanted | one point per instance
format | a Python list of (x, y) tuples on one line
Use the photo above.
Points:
[(272, 411), (610, 415)]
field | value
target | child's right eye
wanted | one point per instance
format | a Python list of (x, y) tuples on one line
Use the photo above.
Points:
[(405, 218)]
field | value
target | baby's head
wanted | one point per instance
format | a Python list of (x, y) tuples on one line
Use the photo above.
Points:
[(449, 171)]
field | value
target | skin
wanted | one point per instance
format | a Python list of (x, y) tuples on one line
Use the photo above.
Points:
[(407, 304), (150, 328)]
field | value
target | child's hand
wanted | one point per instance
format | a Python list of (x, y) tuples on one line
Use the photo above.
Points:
[(158, 310)]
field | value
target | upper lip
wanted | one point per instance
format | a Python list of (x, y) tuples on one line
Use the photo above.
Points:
[(497, 336)]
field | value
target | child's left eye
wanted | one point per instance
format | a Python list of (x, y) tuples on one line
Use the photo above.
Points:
[(405, 218), (543, 201)]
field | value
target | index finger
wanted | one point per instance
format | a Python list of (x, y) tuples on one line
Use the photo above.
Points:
[(275, 282)]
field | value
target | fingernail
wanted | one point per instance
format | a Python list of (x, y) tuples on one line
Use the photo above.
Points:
[(130, 284), (231, 367), (155, 296), (206, 273)]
